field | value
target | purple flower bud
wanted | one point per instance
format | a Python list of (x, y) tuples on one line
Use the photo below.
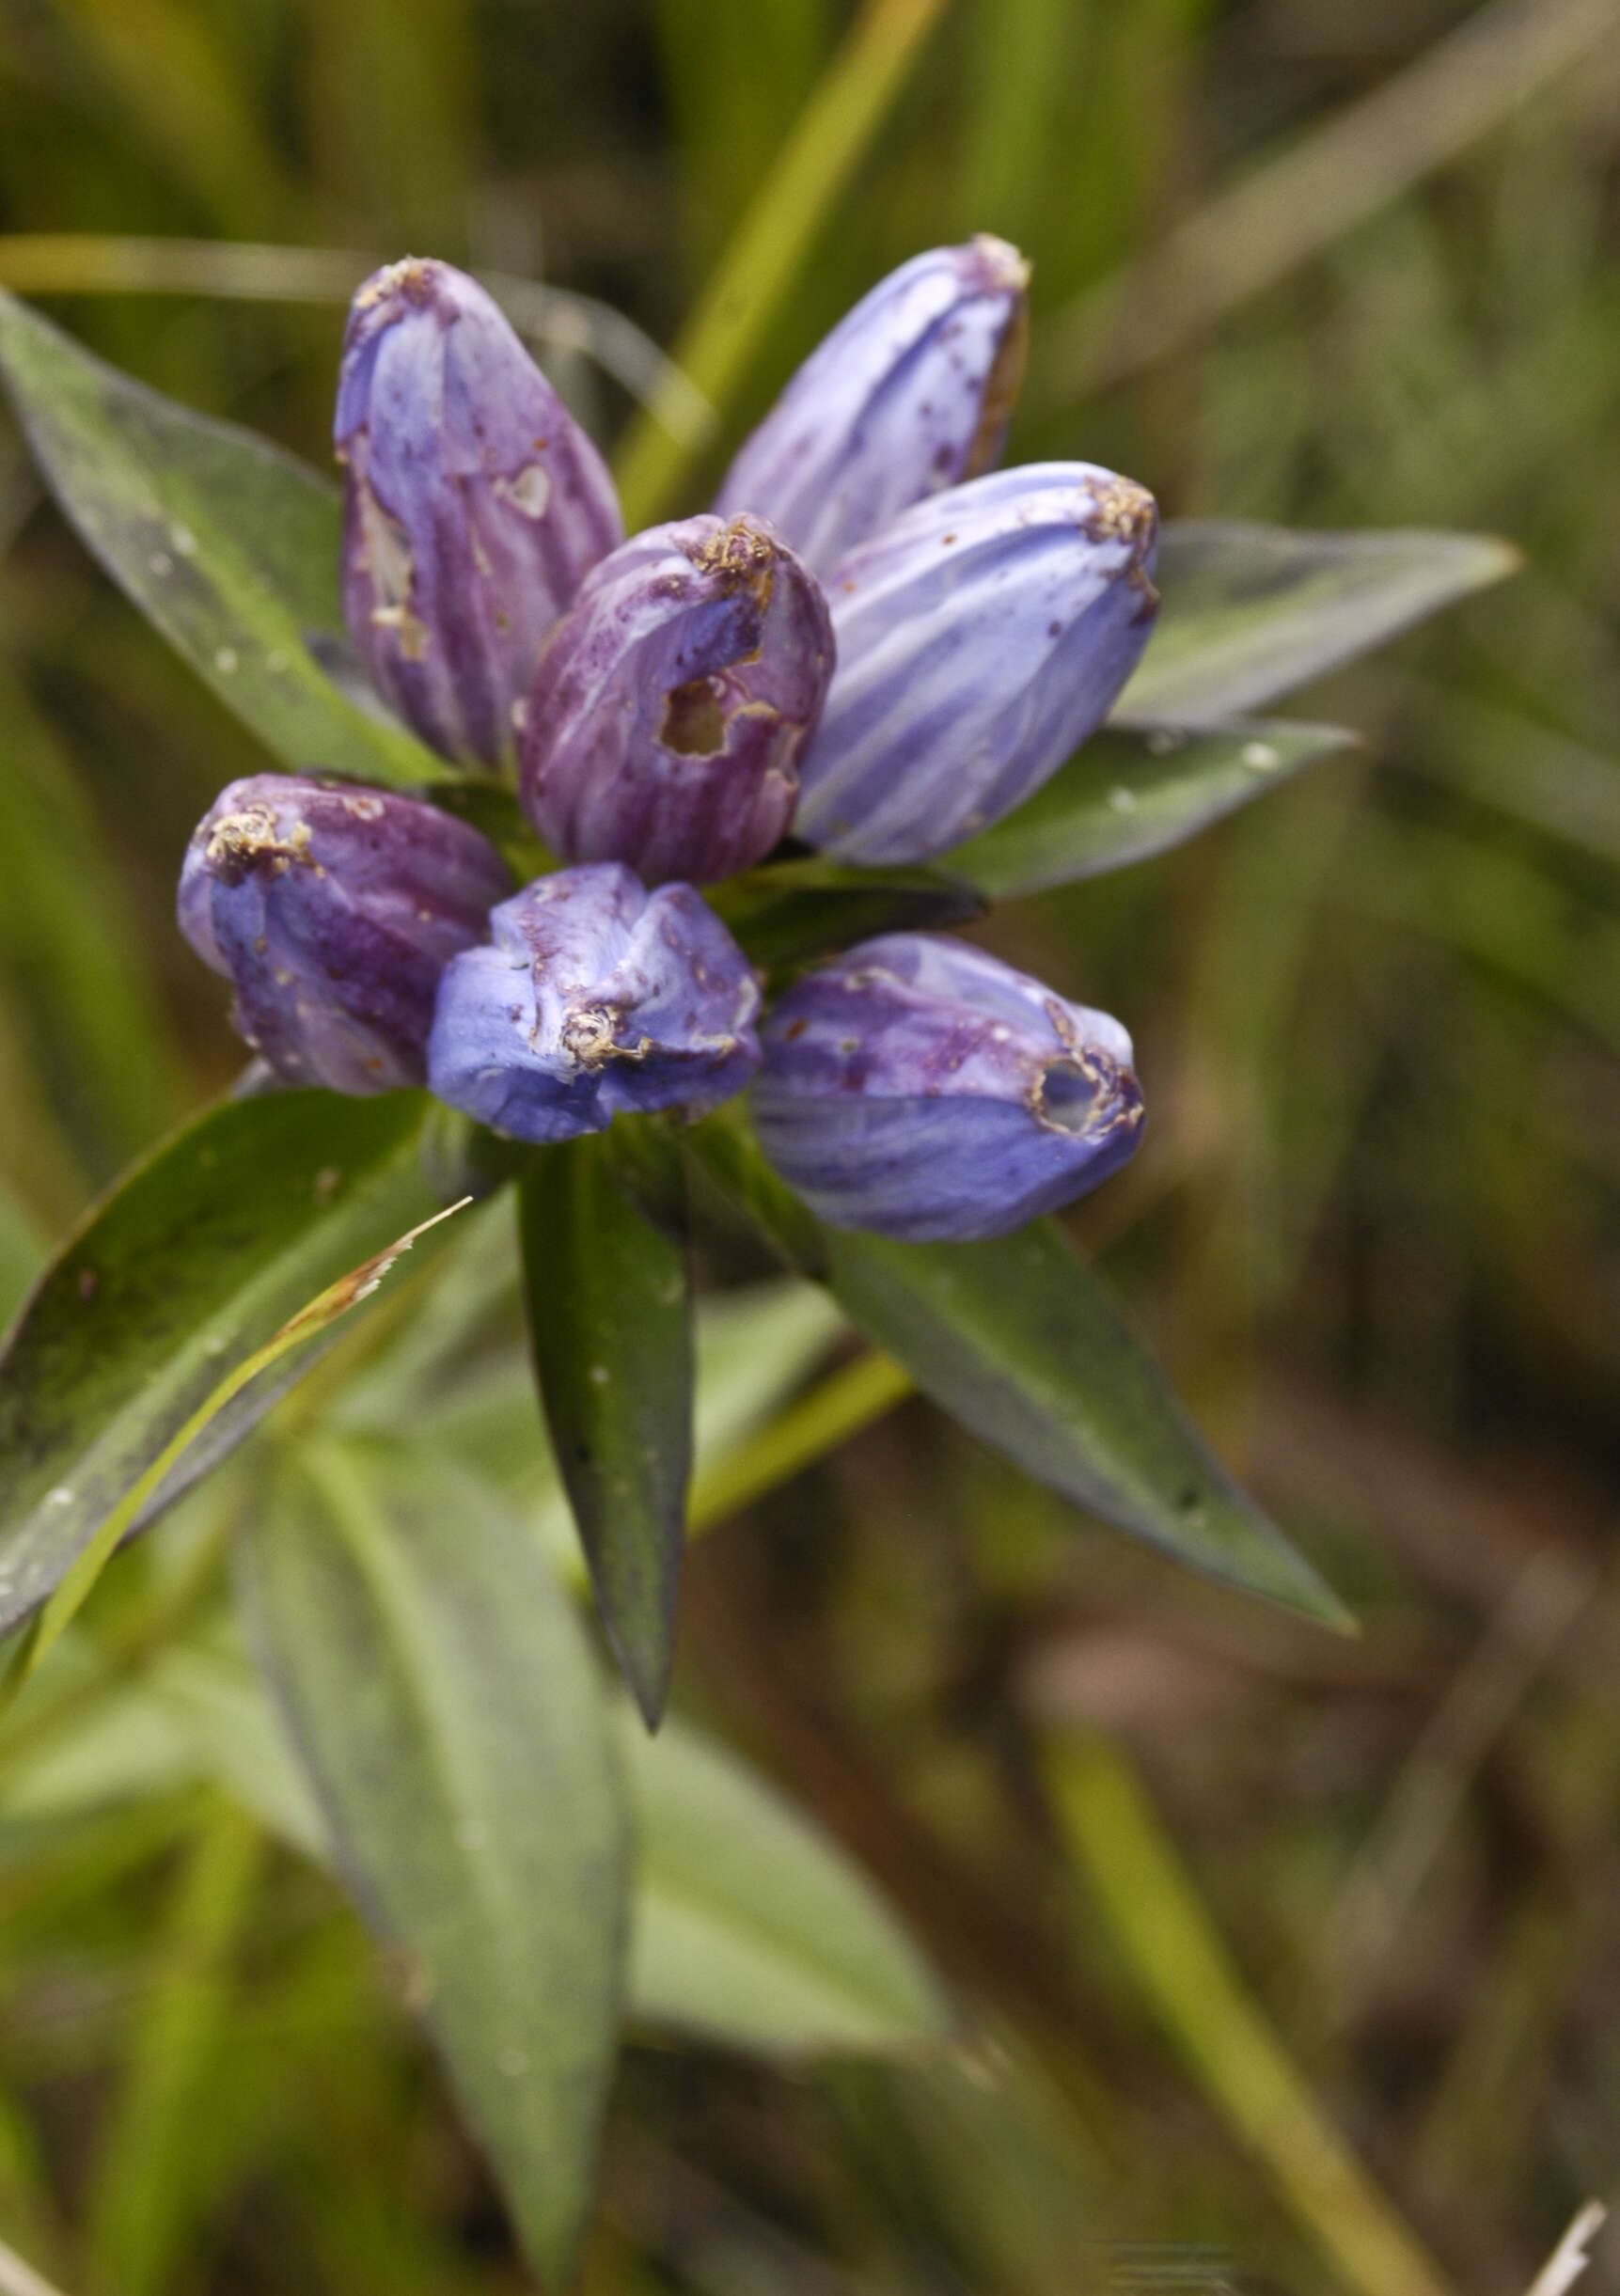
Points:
[(982, 639), (596, 998), (910, 393), (334, 908), (921, 1088), (672, 703), (473, 504)]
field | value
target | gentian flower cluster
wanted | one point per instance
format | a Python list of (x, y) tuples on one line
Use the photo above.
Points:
[(876, 644)]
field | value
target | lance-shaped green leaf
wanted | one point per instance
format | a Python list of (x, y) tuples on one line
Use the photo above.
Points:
[(442, 1693), (173, 1286), (227, 544), (1017, 1339), (221, 1409), (610, 1322), (795, 910), (1250, 612), (1133, 792), (751, 1927)]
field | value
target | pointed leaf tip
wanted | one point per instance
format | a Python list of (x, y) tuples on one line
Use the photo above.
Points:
[(1017, 1339), (1251, 612)]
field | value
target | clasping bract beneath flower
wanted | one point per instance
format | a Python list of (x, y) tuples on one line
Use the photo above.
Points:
[(595, 999), (674, 700), (473, 504), (334, 908), (923, 1089), (910, 393), (982, 639)]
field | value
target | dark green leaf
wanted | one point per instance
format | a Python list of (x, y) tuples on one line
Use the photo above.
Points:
[(168, 1472), (1019, 1342), (796, 910), (189, 1267), (1134, 791), (1017, 1339), (227, 544), (1251, 611), (610, 1321), (440, 1689)]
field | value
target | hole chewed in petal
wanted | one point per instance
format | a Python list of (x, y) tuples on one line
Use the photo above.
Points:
[(694, 722)]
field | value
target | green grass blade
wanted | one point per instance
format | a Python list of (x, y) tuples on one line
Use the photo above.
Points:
[(728, 124), (1197, 1992), (141, 2197), (838, 1407), (762, 262)]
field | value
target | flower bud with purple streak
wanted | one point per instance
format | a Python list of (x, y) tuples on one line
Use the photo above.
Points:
[(672, 702), (474, 505), (982, 639), (910, 393), (920, 1088), (596, 998), (334, 908)]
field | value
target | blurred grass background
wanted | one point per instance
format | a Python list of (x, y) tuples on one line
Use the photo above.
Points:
[(1325, 261)]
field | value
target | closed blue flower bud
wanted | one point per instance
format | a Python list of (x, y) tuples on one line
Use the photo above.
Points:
[(596, 998), (673, 701), (923, 1089), (474, 505), (334, 908), (909, 394), (982, 639)]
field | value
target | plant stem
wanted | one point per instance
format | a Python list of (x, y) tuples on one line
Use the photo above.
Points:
[(847, 1400)]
